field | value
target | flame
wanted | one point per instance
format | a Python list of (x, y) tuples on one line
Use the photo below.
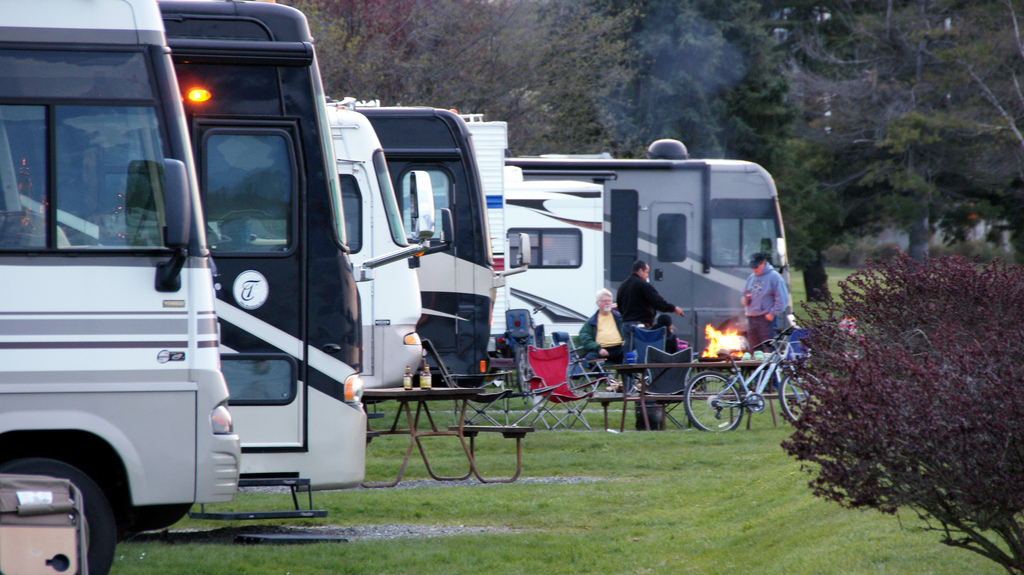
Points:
[(728, 340)]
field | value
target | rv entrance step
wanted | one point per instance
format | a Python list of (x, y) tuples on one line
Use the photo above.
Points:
[(293, 483)]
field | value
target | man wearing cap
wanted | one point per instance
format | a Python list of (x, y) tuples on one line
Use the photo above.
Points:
[(764, 298)]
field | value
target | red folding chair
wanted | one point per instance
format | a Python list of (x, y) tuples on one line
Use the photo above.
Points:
[(550, 384)]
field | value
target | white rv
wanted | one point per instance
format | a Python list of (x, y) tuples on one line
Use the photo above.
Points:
[(391, 303), (109, 369), (564, 221)]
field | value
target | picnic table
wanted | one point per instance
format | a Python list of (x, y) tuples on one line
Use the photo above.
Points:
[(416, 429)]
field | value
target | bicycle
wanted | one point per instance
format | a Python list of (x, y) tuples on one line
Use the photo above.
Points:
[(715, 402)]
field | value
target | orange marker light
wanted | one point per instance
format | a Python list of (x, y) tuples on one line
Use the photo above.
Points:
[(199, 95)]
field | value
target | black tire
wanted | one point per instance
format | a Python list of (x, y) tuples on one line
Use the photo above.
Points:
[(712, 403), (101, 528), (793, 396)]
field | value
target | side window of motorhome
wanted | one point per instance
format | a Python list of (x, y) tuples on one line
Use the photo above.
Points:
[(550, 248), (733, 240), (440, 180), (352, 205), (248, 190), (104, 179), (671, 237), (387, 193), (259, 379)]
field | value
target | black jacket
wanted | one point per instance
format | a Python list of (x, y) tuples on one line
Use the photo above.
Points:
[(639, 301)]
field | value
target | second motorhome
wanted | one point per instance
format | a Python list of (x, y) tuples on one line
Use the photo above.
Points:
[(286, 296)]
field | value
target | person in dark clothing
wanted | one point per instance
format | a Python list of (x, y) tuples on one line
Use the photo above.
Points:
[(671, 342), (639, 302)]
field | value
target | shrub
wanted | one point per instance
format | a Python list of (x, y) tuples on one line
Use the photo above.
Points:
[(919, 406)]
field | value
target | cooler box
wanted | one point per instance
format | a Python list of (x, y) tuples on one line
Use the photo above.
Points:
[(42, 526)]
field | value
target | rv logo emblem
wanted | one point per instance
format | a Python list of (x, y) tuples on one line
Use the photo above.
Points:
[(166, 355), (251, 289)]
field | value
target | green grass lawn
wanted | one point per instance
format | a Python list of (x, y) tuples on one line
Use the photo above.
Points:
[(835, 275), (665, 502)]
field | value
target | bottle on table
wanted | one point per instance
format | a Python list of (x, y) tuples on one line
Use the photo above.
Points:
[(407, 379), (425, 376)]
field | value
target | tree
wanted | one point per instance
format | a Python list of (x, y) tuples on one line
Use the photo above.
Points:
[(880, 90), (918, 404), (547, 68), (706, 74)]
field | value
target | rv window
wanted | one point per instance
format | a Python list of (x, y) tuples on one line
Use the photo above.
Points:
[(79, 74), (23, 181), (671, 237), (550, 248), (387, 192), (733, 240), (352, 205), (109, 164), (259, 380), (248, 188), (442, 184)]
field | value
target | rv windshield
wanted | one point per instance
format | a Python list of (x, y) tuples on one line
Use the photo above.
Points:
[(89, 147), (733, 240), (387, 193)]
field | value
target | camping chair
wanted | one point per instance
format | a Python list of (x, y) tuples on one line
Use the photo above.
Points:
[(646, 338), (550, 384), (582, 374), (476, 410), (642, 340), (669, 381)]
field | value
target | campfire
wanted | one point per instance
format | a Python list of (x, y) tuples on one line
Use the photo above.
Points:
[(728, 340)]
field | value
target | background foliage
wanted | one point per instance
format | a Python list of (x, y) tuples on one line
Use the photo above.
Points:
[(918, 404)]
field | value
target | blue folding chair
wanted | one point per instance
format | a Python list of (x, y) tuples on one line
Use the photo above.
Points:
[(644, 338)]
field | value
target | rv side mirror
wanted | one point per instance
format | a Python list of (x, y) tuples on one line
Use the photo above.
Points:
[(177, 225), (524, 249), (177, 204), (780, 248), (422, 204), (447, 225)]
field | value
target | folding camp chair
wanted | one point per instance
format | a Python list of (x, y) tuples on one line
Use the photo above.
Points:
[(669, 381), (646, 338), (476, 410), (642, 340), (582, 374), (550, 367)]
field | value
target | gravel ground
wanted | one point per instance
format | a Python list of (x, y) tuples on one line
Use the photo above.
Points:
[(268, 533)]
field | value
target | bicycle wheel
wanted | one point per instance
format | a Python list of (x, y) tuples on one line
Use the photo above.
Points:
[(713, 403), (793, 395)]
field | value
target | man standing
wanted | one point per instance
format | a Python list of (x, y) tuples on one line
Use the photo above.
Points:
[(764, 298), (639, 302)]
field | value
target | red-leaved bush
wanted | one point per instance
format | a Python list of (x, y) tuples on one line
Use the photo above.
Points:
[(920, 399)]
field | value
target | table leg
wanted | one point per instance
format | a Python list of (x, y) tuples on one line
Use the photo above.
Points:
[(413, 440), (461, 423)]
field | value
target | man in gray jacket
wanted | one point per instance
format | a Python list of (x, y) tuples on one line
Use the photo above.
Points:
[(764, 298)]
